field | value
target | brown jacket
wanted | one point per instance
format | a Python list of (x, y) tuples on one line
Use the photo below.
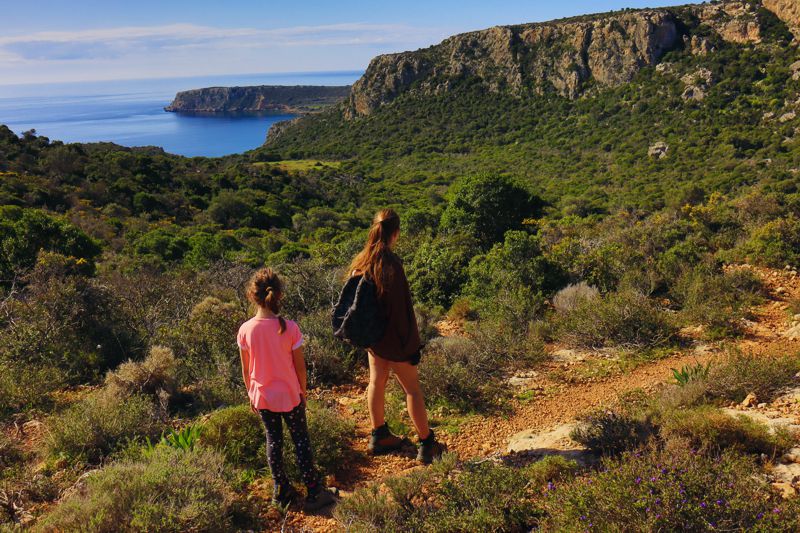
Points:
[(401, 340)]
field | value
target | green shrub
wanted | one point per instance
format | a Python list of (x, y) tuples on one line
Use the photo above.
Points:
[(455, 372), (741, 373), (486, 207), (612, 432), (513, 280), (717, 300), (24, 387), (445, 497), (438, 268), (329, 361), (205, 345), (674, 489), (167, 490), (98, 424), (775, 244), (158, 372), (710, 430), (238, 434), (627, 319)]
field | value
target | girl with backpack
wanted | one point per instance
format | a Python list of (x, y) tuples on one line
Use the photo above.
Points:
[(398, 350), (274, 372)]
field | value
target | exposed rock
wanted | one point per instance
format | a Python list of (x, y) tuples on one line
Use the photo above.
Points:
[(793, 333), (694, 92), (786, 117), (697, 83), (786, 10), (279, 127), (556, 441), (700, 46), (749, 401), (658, 150), (567, 355), (734, 21), (795, 69), (561, 55), (261, 98)]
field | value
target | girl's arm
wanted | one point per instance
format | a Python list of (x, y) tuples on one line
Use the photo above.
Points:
[(299, 361), (244, 355)]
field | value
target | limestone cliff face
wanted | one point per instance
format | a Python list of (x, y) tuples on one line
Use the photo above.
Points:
[(261, 98), (788, 11), (564, 56), (559, 55)]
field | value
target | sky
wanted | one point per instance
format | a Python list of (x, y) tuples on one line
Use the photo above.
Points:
[(49, 41)]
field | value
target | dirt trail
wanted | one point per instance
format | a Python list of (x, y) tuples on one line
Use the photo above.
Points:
[(556, 402)]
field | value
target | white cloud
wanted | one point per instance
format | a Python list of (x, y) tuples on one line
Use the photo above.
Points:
[(118, 42)]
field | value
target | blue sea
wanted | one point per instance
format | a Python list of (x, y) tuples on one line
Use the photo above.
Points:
[(131, 112)]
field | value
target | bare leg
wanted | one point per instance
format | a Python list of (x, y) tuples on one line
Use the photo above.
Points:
[(409, 379), (376, 391)]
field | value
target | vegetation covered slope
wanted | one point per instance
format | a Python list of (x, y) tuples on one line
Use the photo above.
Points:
[(602, 221)]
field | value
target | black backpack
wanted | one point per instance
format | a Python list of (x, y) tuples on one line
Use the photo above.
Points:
[(358, 318)]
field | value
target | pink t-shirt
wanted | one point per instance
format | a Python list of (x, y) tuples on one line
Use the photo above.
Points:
[(273, 379)]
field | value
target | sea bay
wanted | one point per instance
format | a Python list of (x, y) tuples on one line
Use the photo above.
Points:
[(131, 112)]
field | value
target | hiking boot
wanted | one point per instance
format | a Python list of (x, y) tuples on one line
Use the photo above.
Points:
[(284, 495), (319, 496), (383, 441), (429, 449)]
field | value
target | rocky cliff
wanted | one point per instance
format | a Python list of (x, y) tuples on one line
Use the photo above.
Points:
[(788, 11), (566, 56), (263, 98)]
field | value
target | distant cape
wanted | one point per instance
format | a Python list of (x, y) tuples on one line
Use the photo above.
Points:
[(296, 99)]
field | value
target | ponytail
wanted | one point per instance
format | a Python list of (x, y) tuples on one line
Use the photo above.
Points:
[(265, 290), (376, 259)]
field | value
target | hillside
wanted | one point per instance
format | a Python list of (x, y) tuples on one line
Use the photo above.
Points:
[(297, 99), (578, 122), (601, 237)]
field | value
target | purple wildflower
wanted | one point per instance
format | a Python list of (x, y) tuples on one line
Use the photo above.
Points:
[(638, 480), (703, 505)]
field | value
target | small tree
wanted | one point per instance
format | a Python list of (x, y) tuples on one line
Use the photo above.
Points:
[(487, 206)]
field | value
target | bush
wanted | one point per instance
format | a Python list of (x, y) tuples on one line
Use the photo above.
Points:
[(98, 424), (205, 345), (445, 497), (512, 280), (717, 300), (438, 269), (486, 207), (9, 451), (24, 386), (329, 361), (238, 434), (711, 431), (612, 432), (741, 373), (674, 489), (156, 374), (167, 490), (775, 244), (456, 373), (627, 319), (571, 296)]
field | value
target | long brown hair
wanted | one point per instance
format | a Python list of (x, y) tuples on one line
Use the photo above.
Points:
[(265, 290), (375, 260)]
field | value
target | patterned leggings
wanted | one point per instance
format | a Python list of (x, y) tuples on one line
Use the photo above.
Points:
[(298, 429)]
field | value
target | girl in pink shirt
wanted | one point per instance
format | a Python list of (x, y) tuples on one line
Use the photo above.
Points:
[(274, 372)]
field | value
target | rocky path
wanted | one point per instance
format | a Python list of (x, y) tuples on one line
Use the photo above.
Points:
[(552, 403)]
